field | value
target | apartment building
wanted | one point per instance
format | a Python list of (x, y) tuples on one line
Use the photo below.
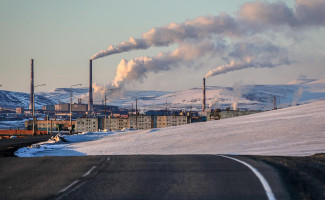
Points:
[(140, 122), (87, 124)]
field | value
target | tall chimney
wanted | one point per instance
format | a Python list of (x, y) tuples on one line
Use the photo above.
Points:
[(203, 101), (31, 84), (90, 102)]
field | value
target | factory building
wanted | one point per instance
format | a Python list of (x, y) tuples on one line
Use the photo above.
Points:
[(236, 113), (65, 107), (109, 109), (224, 114)]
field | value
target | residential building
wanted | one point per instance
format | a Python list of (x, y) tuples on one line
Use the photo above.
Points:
[(115, 124), (176, 120), (143, 122), (160, 121), (88, 124), (55, 125)]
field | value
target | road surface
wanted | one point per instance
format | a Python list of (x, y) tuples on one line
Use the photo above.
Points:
[(136, 177), (9, 146)]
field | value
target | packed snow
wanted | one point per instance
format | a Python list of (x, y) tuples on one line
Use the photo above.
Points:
[(293, 131)]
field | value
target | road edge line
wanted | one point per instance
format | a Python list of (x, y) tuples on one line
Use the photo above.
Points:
[(265, 184)]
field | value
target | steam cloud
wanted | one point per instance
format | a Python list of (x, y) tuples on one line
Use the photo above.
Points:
[(241, 41), (297, 96)]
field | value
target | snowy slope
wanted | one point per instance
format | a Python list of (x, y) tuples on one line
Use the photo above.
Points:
[(257, 97), (9, 99), (63, 94), (298, 130)]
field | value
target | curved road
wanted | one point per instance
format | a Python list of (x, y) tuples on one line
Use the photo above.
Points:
[(147, 177)]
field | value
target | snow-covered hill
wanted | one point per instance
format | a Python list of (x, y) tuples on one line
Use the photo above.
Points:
[(9, 99), (63, 94), (257, 97), (294, 131)]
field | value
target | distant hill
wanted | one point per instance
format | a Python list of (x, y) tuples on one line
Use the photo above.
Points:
[(259, 97), (10, 99)]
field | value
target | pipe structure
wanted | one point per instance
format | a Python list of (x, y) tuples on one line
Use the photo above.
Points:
[(203, 101), (31, 84), (90, 101)]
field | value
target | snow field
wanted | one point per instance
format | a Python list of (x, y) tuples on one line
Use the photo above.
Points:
[(294, 131)]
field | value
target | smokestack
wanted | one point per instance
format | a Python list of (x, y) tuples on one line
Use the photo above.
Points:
[(203, 101), (90, 102), (31, 84)]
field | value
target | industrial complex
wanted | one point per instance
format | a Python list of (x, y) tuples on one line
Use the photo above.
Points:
[(90, 117)]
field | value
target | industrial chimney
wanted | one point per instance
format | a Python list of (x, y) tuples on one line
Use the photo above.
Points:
[(31, 84), (203, 101), (90, 102)]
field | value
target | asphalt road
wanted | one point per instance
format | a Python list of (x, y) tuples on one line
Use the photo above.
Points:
[(9, 146), (135, 177)]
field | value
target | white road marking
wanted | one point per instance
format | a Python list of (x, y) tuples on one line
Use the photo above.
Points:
[(86, 174), (69, 186), (265, 184), (66, 194), (77, 181)]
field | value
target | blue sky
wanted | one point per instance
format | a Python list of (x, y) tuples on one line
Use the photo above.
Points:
[(61, 36)]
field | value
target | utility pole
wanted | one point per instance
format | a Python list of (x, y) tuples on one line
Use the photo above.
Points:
[(105, 106), (47, 124), (136, 113), (190, 114), (105, 112), (167, 104), (34, 106), (70, 125), (136, 109)]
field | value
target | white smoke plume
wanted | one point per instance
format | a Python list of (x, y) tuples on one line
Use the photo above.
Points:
[(99, 93), (238, 90), (252, 20), (307, 13), (297, 96), (138, 68), (214, 102), (250, 55)]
